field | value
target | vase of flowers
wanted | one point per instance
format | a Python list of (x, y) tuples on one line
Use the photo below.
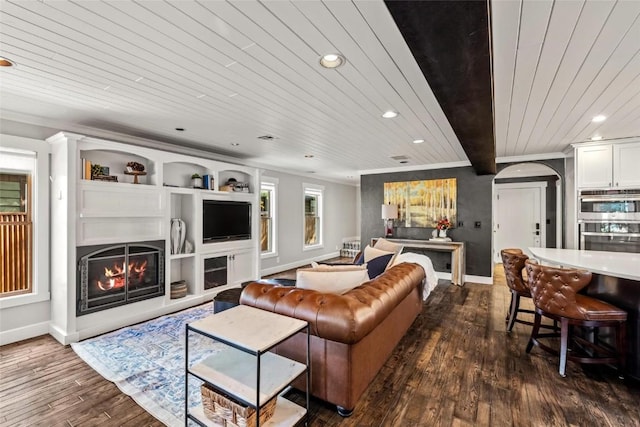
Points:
[(442, 226)]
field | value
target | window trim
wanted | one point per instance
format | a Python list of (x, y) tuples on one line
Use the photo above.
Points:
[(317, 190), (39, 151), (272, 183)]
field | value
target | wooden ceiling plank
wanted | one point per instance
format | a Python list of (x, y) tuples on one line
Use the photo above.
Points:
[(591, 21), (533, 28), (610, 46), (359, 30), (561, 27), (505, 29), (274, 27), (625, 89), (379, 19)]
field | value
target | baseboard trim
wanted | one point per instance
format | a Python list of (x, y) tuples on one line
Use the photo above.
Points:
[(444, 275), (23, 333), (300, 263)]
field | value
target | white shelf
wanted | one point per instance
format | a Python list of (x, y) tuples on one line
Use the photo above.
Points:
[(287, 413), (234, 371), (238, 326)]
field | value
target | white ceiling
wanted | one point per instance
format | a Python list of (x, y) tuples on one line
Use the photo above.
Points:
[(229, 72)]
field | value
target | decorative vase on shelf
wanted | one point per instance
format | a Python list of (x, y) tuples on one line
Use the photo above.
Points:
[(442, 233), (178, 235)]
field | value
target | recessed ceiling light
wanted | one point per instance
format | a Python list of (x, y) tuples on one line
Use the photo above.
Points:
[(308, 156), (235, 144), (5, 62), (389, 114), (404, 161), (596, 138), (180, 129), (332, 60), (418, 141), (599, 118), (267, 137)]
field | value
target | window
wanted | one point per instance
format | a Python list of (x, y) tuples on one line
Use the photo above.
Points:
[(24, 164), (268, 218), (312, 216), (16, 229)]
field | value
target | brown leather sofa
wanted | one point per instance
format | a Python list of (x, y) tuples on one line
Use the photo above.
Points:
[(352, 335)]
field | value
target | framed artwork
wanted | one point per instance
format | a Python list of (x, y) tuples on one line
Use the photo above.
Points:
[(423, 203)]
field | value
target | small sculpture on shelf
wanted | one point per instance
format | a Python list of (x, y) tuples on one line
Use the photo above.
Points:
[(136, 169), (196, 180)]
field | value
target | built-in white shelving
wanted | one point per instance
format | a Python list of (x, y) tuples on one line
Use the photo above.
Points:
[(95, 212)]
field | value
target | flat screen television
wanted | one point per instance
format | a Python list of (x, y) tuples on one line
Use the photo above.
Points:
[(225, 220)]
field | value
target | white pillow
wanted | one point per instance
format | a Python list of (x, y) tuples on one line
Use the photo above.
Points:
[(385, 245), (334, 279)]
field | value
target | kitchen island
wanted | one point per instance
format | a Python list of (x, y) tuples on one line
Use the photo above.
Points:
[(616, 280)]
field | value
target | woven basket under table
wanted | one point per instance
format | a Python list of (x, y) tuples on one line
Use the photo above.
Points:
[(224, 411)]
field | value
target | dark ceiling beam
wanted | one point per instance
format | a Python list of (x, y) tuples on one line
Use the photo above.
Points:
[(450, 41)]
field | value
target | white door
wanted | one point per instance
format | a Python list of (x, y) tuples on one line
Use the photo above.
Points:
[(519, 216)]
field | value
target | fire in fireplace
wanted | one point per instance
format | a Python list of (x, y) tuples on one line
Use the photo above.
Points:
[(113, 275)]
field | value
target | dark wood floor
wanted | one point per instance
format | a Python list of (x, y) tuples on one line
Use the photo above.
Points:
[(455, 367)]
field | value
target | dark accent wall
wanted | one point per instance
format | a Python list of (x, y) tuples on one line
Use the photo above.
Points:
[(474, 205)]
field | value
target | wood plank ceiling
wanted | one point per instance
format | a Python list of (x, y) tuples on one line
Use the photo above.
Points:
[(229, 72)]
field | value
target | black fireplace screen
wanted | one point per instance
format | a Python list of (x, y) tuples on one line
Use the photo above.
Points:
[(113, 275)]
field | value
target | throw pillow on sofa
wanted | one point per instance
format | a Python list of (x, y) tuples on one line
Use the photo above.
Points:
[(332, 279), (385, 245), (376, 260)]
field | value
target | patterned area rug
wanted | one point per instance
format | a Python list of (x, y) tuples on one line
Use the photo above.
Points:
[(146, 361)]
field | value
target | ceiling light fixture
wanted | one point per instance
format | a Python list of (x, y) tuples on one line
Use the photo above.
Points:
[(180, 129), (596, 138), (418, 141), (332, 60), (235, 144), (308, 156), (389, 114), (267, 137), (6, 62), (599, 118)]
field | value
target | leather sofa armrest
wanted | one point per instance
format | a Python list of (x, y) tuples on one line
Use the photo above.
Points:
[(343, 318)]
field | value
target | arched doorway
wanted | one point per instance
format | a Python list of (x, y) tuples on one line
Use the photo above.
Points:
[(527, 207)]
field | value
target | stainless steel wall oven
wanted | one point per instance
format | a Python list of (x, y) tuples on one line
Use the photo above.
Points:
[(609, 220)]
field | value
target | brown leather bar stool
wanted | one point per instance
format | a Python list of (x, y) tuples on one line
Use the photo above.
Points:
[(555, 295), (513, 263)]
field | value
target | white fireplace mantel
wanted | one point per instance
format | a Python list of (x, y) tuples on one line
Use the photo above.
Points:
[(86, 212)]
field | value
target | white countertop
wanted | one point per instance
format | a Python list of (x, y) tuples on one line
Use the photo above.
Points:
[(617, 264)]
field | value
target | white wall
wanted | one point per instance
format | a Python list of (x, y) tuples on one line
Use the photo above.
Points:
[(26, 316), (341, 219)]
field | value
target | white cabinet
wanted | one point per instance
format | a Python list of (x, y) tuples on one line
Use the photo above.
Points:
[(626, 161), (241, 267), (228, 269), (608, 165), (243, 369)]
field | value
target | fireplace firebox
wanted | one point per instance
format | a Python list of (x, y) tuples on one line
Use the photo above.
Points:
[(114, 275)]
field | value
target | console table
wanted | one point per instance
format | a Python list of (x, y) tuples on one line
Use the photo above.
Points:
[(456, 249)]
